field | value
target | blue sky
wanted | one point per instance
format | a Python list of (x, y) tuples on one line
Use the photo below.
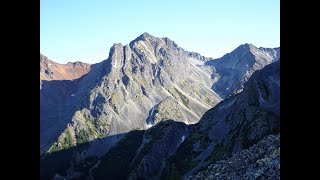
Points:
[(84, 30)]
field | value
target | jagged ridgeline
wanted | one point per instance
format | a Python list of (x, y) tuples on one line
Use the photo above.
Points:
[(134, 108)]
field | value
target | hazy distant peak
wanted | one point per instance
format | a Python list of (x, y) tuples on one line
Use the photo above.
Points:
[(252, 48), (245, 47)]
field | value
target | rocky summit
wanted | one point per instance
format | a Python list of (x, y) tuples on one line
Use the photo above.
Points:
[(159, 111)]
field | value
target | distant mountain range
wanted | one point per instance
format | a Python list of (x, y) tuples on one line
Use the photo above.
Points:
[(157, 110)]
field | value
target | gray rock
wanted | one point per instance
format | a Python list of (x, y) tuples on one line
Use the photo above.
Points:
[(234, 69)]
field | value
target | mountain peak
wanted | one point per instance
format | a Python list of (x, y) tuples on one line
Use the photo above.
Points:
[(246, 47), (145, 36), (148, 37), (248, 44)]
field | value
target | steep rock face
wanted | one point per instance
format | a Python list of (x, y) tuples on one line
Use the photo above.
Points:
[(117, 95), (236, 123), (234, 69)]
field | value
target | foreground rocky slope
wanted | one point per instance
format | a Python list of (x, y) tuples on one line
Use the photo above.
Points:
[(261, 161)]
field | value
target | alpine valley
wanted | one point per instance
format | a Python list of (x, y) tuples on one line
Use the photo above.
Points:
[(153, 110)]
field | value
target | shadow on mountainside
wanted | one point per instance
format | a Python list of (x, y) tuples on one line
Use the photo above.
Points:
[(60, 99), (67, 162), (127, 155), (56, 108)]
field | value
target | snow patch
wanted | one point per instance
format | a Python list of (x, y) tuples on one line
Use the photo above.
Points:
[(183, 138), (150, 122)]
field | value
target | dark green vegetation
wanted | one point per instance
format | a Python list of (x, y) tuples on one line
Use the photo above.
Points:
[(86, 135), (115, 164), (83, 136), (64, 142), (183, 98)]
